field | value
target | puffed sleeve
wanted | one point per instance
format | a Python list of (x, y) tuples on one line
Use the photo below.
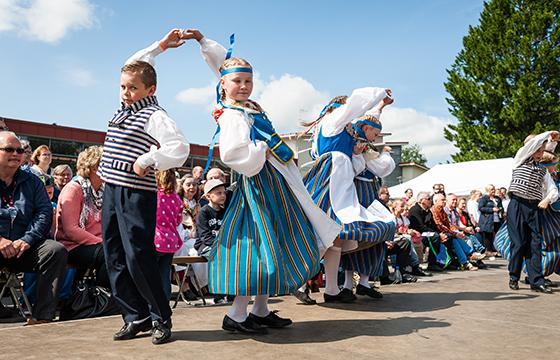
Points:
[(551, 190), (148, 54), (529, 149), (382, 166), (236, 148), (358, 163), (357, 104), (174, 148), (213, 53)]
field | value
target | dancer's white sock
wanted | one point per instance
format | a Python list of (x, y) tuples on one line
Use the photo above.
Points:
[(364, 280), (332, 262), (260, 306), (238, 309), (349, 279)]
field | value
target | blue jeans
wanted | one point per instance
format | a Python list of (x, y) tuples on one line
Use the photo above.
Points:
[(462, 250), (475, 243)]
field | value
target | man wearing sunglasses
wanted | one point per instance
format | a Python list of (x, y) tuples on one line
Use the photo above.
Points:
[(25, 221)]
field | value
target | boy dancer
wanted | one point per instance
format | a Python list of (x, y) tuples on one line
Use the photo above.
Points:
[(526, 191), (140, 137)]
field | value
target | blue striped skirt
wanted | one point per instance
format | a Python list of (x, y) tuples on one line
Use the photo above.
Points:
[(368, 261), (317, 181), (550, 230), (266, 244)]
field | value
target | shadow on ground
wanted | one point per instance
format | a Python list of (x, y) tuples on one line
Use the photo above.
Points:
[(422, 302), (321, 331)]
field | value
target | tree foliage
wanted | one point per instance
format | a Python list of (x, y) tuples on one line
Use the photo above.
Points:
[(505, 82), (413, 153)]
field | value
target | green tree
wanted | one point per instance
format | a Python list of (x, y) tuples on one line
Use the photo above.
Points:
[(413, 153), (505, 82)]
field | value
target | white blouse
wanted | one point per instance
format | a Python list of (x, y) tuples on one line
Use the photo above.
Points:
[(248, 158), (174, 148)]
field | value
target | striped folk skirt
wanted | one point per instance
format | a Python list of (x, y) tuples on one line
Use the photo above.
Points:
[(368, 261), (266, 244), (317, 181), (550, 229)]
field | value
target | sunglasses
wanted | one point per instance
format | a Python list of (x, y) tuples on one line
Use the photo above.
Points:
[(11, 150)]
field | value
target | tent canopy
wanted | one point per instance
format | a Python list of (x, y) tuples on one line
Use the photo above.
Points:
[(460, 178)]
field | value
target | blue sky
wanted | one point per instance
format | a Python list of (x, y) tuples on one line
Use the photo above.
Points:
[(61, 58)]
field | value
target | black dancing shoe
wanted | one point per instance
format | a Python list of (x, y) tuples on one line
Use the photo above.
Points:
[(161, 332), (344, 296), (304, 297), (542, 289), (513, 284), (246, 327), (407, 278), (417, 271), (371, 292), (271, 320), (131, 329)]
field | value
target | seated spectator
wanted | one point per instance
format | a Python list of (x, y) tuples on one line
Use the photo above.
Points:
[(402, 245), (217, 173), (26, 163), (467, 232), (62, 174), (25, 220), (78, 217), (472, 207), (491, 217), (438, 189), (188, 194), (168, 218), (384, 196), (41, 158), (210, 217), (421, 220), (451, 234), (408, 194)]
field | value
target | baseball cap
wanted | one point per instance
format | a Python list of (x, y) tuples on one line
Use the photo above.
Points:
[(211, 185)]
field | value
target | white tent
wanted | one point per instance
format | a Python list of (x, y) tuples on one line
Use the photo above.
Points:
[(460, 178)]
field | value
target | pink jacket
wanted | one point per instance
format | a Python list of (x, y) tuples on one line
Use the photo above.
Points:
[(168, 217), (67, 218)]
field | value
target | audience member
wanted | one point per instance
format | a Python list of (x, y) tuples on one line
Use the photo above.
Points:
[(78, 217), (25, 220), (26, 163), (42, 158), (188, 195), (491, 217), (472, 207), (62, 175)]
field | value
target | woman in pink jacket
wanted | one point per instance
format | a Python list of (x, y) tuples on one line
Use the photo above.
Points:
[(78, 216)]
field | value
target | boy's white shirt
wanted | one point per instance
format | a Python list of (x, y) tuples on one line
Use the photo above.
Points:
[(248, 157), (527, 150), (174, 148)]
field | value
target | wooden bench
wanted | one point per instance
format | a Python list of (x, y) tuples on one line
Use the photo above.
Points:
[(187, 261)]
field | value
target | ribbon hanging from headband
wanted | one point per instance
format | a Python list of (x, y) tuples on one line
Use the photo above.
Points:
[(332, 105)]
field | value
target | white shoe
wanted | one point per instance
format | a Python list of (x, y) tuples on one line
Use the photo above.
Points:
[(476, 256), (471, 267)]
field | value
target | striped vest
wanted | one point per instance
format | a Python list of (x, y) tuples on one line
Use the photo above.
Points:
[(527, 180), (125, 141)]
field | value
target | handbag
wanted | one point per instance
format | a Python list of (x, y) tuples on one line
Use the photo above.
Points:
[(88, 301)]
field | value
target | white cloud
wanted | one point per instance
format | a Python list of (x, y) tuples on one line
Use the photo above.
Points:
[(45, 20), (79, 76), (419, 128), (288, 100)]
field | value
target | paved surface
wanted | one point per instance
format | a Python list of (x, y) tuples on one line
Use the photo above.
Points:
[(460, 315)]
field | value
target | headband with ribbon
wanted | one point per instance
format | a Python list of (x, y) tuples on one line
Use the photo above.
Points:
[(243, 69)]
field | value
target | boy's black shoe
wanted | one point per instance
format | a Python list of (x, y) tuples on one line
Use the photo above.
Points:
[(407, 278), (271, 320), (371, 292), (131, 329), (246, 327), (304, 297), (161, 332), (479, 264), (417, 271), (344, 296), (513, 284)]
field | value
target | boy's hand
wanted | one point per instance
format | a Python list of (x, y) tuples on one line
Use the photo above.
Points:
[(544, 203), (192, 34), (388, 100), (555, 136), (138, 170), (172, 40)]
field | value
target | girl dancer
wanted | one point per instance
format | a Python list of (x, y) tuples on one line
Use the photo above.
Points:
[(330, 181), (370, 169), (272, 234)]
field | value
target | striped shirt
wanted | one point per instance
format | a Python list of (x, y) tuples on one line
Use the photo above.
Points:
[(527, 180), (125, 141)]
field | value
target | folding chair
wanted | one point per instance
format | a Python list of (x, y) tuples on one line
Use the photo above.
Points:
[(187, 261), (13, 281)]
